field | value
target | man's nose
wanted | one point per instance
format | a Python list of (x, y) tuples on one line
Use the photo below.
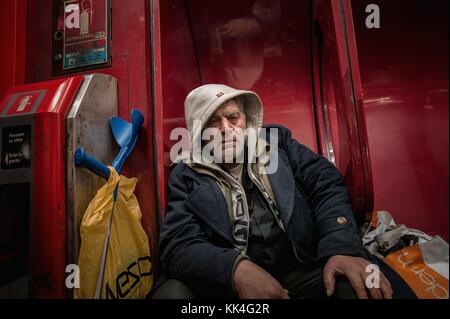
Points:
[(224, 125)]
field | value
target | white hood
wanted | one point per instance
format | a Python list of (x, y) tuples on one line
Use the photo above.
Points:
[(203, 101)]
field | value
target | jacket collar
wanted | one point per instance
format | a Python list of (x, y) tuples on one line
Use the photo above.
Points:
[(210, 206)]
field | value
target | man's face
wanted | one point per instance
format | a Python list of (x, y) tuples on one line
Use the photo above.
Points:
[(228, 118)]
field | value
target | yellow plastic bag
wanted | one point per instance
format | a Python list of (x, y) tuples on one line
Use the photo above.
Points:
[(128, 270)]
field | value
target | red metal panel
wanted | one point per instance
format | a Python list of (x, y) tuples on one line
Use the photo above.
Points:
[(49, 215), (367, 180), (175, 75), (13, 44), (338, 95), (158, 128), (48, 222), (136, 55), (404, 72)]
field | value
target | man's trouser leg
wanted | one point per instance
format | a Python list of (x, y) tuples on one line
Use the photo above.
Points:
[(307, 283), (173, 289)]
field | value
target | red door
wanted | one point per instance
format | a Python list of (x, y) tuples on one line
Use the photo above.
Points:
[(298, 56), (337, 90), (263, 46), (386, 89), (404, 80)]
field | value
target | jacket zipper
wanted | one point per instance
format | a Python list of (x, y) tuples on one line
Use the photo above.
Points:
[(269, 200), (276, 214)]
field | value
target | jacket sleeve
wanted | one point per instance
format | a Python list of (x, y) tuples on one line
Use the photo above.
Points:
[(326, 192), (185, 251)]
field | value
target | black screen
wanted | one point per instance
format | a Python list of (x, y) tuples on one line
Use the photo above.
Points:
[(14, 230)]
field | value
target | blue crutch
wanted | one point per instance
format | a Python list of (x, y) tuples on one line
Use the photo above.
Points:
[(126, 135)]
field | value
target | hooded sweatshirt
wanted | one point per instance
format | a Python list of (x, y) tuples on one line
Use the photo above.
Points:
[(200, 105)]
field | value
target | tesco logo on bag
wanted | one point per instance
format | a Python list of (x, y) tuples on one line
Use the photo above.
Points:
[(127, 280)]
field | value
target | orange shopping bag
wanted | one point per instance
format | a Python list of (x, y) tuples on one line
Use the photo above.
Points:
[(424, 267)]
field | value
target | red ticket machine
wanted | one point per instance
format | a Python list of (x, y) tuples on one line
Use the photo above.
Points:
[(32, 199), (38, 132)]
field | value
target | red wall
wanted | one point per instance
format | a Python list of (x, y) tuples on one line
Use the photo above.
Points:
[(404, 74), (13, 44), (271, 57)]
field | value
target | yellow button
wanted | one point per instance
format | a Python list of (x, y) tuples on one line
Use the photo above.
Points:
[(341, 220)]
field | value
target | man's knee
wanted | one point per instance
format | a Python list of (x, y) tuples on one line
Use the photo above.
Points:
[(173, 289)]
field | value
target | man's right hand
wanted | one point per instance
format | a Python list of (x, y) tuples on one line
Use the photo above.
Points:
[(253, 282)]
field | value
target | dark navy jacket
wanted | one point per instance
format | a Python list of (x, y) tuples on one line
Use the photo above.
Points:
[(196, 237)]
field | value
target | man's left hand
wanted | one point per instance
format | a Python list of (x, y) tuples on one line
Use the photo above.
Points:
[(354, 268)]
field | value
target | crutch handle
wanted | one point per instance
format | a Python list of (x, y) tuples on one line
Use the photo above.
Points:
[(91, 163)]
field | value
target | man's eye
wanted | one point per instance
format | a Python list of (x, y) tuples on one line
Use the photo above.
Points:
[(213, 122)]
